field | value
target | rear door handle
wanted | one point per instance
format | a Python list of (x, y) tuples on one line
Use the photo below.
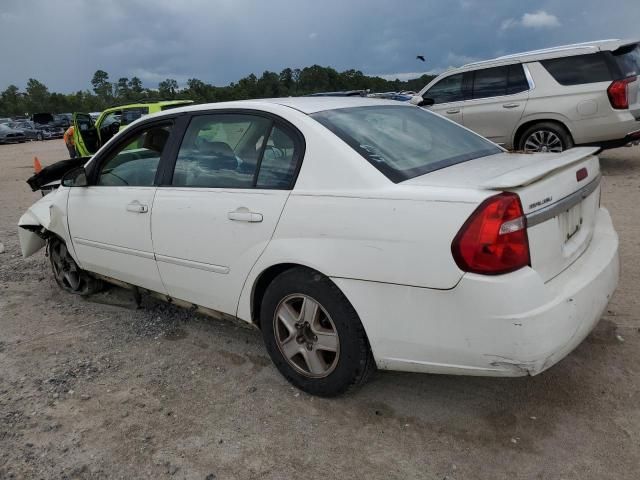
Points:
[(453, 111), (510, 105), (137, 207), (243, 214)]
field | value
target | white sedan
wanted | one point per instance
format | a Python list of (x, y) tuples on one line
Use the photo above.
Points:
[(355, 233)]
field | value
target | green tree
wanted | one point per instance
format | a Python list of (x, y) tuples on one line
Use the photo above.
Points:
[(123, 92), (136, 88), (37, 96), (167, 88), (12, 101), (102, 87)]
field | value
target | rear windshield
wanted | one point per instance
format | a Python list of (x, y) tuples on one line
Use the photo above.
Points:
[(628, 60), (404, 142)]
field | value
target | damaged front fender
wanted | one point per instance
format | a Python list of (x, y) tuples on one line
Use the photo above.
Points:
[(45, 217)]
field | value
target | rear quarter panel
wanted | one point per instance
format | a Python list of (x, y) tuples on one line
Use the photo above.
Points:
[(583, 109)]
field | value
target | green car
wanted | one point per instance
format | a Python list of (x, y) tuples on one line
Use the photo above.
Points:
[(90, 135)]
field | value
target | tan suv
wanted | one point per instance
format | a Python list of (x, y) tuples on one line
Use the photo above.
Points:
[(546, 100)]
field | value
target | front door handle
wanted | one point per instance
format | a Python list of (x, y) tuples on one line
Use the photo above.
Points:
[(137, 207), (243, 214), (453, 111), (511, 105)]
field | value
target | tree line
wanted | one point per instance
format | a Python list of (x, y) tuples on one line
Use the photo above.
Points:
[(105, 93)]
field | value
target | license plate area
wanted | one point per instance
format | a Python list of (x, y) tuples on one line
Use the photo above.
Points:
[(571, 222)]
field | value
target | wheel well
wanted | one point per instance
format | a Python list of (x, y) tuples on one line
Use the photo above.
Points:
[(260, 287), (524, 126)]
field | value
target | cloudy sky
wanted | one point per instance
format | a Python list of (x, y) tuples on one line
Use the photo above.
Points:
[(62, 42)]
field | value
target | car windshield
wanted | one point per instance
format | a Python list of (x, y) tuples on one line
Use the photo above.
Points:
[(404, 142), (4, 127)]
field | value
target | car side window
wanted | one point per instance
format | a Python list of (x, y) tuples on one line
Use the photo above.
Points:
[(135, 162), (490, 82), (579, 69), (130, 115), (517, 79), (279, 162), (449, 89), (221, 151)]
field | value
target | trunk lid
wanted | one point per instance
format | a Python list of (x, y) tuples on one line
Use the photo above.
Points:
[(560, 204)]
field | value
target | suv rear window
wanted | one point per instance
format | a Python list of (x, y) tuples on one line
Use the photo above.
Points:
[(579, 69), (404, 142), (628, 60)]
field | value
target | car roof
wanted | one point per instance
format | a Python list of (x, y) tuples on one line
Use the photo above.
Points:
[(547, 53), (307, 105)]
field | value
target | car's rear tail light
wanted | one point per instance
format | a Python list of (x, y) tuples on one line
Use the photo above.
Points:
[(494, 239), (618, 95)]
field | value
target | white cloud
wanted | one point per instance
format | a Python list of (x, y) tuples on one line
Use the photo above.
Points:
[(313, 35), (539, 19)]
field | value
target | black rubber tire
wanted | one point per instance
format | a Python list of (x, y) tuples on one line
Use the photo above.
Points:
[(39, 136), (561, 132), (355, 363), (86, 285)]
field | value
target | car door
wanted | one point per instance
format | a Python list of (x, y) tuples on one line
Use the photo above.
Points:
[(221, 204), (498, 99), (110, 220), (448, 97), (85, 134)]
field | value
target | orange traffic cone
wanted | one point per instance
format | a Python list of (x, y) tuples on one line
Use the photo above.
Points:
[(37, 167)]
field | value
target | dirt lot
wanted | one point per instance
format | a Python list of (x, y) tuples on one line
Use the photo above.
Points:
[(95, 388)]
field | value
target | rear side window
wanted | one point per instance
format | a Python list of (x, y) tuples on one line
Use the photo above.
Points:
[(628, 60), (236, 151), (449, 89), (499, 81), (130, 115), (579, 69), (517, 80)]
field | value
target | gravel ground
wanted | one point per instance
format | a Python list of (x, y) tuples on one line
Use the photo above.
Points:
[(96, 388)]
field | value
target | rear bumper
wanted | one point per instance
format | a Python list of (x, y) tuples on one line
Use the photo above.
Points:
[(509, 325), (614, 131)]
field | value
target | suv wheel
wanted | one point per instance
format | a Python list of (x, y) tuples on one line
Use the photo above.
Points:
[(68, 275), (39, 137), (545, 137), (313, 334)]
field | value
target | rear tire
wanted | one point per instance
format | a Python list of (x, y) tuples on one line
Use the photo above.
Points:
[(313, 334), (68, 275), (545, 137)]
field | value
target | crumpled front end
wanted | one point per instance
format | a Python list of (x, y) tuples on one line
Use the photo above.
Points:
[(45, 217)]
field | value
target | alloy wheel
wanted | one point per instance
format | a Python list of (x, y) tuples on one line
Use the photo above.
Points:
[(65, 270), (306, 336), (543, 141)]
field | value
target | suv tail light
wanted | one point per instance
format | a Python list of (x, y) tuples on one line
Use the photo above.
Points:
[(618, 95), (494, 239)]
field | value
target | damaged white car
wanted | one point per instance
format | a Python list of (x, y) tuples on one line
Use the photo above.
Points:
[(355, 233)]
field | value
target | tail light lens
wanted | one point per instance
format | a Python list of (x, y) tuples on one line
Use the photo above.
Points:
[(618, 95), (494, 239)]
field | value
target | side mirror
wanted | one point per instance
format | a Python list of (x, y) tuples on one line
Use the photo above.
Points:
[(75, 178), (422, 101)]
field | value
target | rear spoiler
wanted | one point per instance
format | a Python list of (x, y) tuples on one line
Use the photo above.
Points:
[(54, 172), (548, 163)]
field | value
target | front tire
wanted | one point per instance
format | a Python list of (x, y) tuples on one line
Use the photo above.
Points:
[(39, 137), (313, 334), (545, 137), (69, 276)]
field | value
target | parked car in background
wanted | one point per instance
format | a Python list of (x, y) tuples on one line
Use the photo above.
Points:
[(353, 232), (63, 120), (343, 93), (4, 120), (546, 100), (34, 131), (10, 135), (90, 134)]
